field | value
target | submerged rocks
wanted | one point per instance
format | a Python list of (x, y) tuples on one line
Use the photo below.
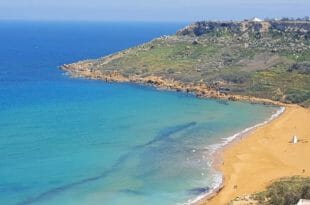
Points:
[(199, 191)]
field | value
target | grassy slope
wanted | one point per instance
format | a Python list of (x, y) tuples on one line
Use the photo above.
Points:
[(286, 191), (248, 66)]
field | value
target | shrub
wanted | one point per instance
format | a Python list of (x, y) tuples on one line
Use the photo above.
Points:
[(286, 191), (297, 97)]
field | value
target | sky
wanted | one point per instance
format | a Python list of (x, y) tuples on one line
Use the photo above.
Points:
[(150, 10)]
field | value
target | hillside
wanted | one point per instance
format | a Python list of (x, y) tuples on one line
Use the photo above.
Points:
[(284, 191), (262, 59)]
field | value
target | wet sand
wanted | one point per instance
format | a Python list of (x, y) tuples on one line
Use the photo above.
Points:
[(266, 154)]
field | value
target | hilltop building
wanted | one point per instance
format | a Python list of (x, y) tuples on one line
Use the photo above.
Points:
[(255, 19)]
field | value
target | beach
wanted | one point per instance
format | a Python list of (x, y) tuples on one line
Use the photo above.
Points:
[(162, 118), (266, 154), (251, 159)]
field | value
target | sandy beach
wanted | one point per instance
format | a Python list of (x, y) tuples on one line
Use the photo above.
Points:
[(253, 161), (266, 154)]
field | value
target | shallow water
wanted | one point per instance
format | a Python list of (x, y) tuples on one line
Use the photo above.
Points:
[(73, 141)]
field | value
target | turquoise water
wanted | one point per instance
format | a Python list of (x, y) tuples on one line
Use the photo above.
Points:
[(74, 142)]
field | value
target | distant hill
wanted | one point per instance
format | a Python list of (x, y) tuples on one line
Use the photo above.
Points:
[(264, 59)]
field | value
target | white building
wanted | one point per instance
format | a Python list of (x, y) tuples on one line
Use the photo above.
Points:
[(255, 19), (303, 202)]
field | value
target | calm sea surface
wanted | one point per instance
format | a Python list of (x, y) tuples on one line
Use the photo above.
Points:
[(76, 142)]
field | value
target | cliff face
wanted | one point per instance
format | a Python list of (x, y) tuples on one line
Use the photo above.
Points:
[(265, 59), (239, 28)]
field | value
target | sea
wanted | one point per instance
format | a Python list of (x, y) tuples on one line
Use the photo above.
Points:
[(66, 141)]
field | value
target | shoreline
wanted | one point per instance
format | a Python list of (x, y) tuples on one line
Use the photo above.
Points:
[(263, 153), (220, 147), (201, 91)]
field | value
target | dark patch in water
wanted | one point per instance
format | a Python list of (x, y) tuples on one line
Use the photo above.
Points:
[(52, 192), (133, 192), (56, 190), (166, 133), (223, 102), (199, 190)]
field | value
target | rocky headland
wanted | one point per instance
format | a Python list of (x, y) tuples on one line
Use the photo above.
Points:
[(253, 60), (258, 61)]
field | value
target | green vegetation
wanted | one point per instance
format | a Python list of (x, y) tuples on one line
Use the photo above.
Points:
[(281, 84), (269, 59), (286, 191)]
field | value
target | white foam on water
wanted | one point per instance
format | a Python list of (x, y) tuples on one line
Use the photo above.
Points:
[(218, 178)]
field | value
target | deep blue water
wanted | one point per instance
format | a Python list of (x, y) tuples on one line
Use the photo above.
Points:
[(74, 142)]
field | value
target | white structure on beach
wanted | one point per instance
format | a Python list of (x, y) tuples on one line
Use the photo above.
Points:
[(303, 202), (255, 19), (294, 139)]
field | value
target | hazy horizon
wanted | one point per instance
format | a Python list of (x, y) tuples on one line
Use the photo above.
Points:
[(148, 11)]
